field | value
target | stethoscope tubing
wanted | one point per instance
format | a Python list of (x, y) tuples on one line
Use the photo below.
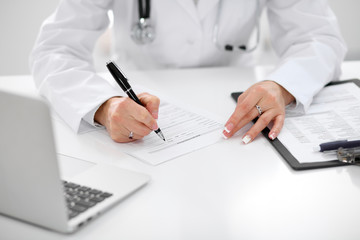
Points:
[(143, 25), (241, 47)]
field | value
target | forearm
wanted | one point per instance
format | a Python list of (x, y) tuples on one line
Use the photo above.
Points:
[(61, 61), (306, 37)]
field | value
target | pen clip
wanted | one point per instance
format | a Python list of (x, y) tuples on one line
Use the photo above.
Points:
[(118, 75), (118, 68)]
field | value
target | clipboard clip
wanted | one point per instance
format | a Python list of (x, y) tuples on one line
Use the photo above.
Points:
[(349, 155)]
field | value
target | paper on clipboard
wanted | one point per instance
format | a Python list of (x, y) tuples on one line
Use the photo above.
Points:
[(333, 115)]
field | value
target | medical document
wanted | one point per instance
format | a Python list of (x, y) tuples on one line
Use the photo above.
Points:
[(185, 131), (333, 115)]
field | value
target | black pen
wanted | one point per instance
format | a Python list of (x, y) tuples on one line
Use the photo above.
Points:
[(330, 146), (125, 86)]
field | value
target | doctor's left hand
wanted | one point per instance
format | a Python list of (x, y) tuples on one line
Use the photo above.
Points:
[(266, 100), (127, 121)]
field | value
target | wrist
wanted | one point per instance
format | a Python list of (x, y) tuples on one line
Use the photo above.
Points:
[(101, 114), (286, 95)]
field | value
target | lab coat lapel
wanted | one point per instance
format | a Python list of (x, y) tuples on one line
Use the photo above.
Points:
[(205, 6), (190, 8)]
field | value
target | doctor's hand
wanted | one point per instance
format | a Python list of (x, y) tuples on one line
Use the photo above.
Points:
[(127, 121), (266, 100)]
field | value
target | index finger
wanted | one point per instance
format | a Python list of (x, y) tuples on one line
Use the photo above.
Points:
[(142, 115), (151, 103), (244, 105)]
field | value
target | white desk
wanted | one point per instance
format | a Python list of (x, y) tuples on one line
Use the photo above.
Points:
[(225, 191)]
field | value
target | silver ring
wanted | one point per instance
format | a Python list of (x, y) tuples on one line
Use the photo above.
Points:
[(131, 135), (259, 109)]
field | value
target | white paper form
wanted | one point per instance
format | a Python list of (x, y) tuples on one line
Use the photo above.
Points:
[(333, 115), (185, 131)]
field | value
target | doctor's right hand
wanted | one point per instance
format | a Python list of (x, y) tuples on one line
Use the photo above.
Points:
[(127, 121)]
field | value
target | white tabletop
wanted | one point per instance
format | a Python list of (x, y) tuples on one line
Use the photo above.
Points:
[(225, 191)]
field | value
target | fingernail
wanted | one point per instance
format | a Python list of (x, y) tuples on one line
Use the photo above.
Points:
[(155, 126), (246, 139), (225, 137), (155, 115), (272, 136), (229, 127)]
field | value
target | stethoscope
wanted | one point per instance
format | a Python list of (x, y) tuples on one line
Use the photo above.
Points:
[(143, 33)]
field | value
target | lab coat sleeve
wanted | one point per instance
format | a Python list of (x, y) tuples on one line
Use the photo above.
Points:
[(306, 37), (62, 65)]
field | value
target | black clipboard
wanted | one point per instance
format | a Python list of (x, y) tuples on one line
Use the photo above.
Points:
[(286, 154)]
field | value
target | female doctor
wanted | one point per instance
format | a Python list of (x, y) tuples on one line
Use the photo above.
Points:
[(180, 34)]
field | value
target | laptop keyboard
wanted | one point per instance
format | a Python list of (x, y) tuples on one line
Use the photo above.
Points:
[(81, 198)]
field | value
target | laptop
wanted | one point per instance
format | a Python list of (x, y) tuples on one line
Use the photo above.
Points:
[(30, 180)]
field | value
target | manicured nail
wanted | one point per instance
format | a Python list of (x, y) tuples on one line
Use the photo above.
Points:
[(229, 127), (272, 136), (225, 137), (246, 139)]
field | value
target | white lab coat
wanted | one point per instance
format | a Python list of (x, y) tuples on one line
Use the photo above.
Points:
[(304, 34)]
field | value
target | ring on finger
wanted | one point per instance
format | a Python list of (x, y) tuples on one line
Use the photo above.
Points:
[(258, 109), (131, 135)]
